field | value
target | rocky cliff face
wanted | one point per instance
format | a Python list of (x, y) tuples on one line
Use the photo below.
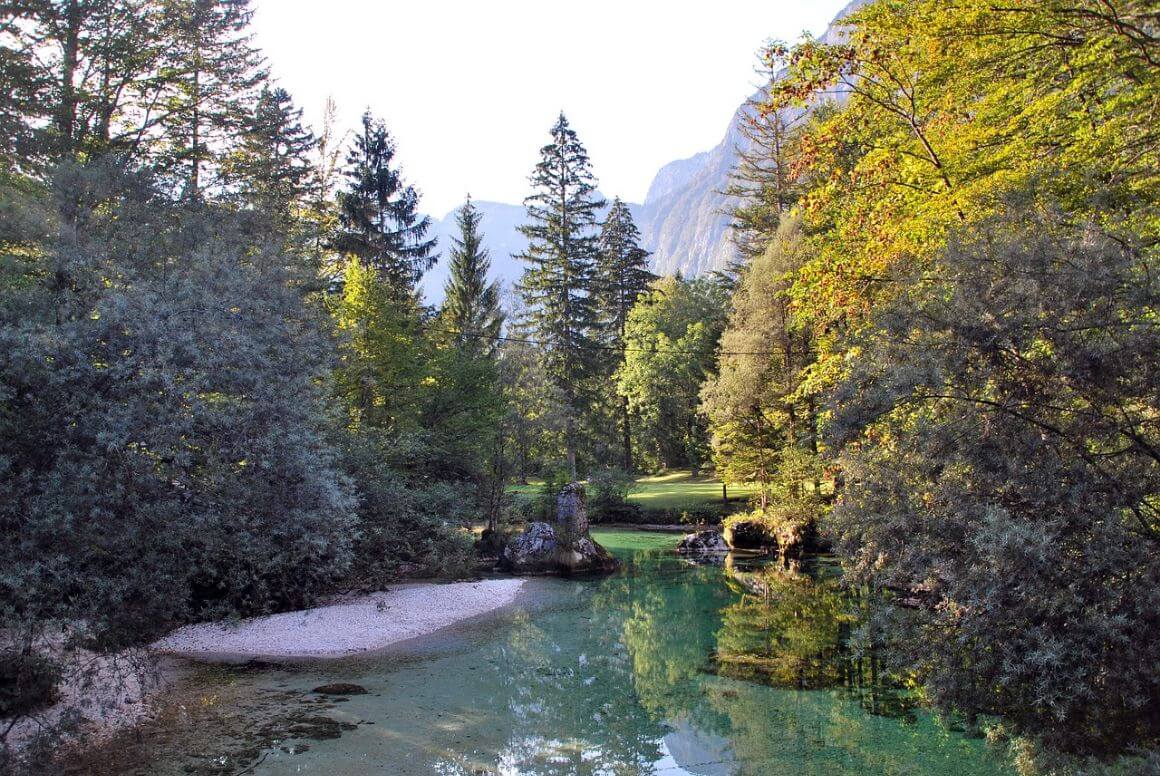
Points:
[(684, 220), (685, 217)]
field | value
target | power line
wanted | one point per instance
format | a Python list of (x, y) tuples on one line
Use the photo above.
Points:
[(540, 343)]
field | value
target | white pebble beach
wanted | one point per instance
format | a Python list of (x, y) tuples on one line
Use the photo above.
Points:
[(364, 624)]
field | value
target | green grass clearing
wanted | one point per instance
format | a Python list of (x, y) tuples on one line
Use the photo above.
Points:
[(679, 488), (672, 490), (528, 491), (618, 541)]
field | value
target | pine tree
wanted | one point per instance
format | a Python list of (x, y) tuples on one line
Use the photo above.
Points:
[(80, 78), (470, 303), (378, 213), (622, 275), (214, 75), (762, 180), (272, 167), (561, 256)]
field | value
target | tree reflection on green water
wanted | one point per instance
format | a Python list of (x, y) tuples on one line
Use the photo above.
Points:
[(666, 667), (791, 628)]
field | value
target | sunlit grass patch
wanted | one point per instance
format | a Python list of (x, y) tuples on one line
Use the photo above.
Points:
[(620, 540), (677, 489), (674, 489)]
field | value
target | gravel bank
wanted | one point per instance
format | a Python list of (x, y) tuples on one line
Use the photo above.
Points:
[(339, 630)]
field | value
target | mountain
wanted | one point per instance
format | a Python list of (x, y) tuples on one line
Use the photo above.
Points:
[(499, 225), (685, 217), (684, 220)]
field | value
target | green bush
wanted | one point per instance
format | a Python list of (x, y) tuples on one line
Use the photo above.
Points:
[(608, 491), (491, 543), (624, 512), (543, 508), (162, 425), (691, 514), (701, 514), (27, 683), (405, 521), (609, 486)]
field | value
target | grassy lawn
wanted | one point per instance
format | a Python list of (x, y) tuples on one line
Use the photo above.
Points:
[(671, 490), (622, 542), (531, 490), (676, 489)]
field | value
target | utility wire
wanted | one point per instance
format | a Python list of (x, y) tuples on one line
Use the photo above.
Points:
[(522, 341)]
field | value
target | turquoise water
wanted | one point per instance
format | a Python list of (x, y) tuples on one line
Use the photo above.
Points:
[(665, 667)]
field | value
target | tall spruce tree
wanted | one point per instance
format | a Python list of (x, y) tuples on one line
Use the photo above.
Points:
[(214, 74), (378, 214), (272, 168), (763, 180), (622, 275), (470, 303), (561, 256)]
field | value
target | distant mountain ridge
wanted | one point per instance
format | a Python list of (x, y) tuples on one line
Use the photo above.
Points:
[(499, 224), (684, 220)]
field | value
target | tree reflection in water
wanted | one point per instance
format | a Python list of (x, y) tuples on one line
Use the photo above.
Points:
[(792, 627), (663, 667)]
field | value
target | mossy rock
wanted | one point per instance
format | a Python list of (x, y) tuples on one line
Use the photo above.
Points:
[(749, 535)]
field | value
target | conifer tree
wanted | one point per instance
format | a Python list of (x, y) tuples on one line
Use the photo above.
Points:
[(378, 214), (762, 181), (622, 275), (321, 213), (273, 164), (561, 257), (79, 78), (214, 74), (470, 303)]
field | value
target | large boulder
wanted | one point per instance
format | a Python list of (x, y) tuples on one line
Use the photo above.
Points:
[(749, 535), (562, 546), (703, 543)]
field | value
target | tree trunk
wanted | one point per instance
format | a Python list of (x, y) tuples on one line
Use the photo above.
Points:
[(67, 110), (626, 419), (570, 445), (195, 139)]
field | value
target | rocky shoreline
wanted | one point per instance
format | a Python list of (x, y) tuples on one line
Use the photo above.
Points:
[(105, 696)]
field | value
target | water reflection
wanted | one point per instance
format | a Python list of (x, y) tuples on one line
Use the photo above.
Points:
[(791, 627), (662, 668)]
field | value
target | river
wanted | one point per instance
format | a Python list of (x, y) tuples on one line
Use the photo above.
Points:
[(666, 667)]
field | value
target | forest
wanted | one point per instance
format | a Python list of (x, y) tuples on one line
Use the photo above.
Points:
[(933, 360)]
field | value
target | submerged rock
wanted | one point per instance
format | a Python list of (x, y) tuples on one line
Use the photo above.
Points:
[(562, 546), (317, 727), (703, 543), (341, 688)]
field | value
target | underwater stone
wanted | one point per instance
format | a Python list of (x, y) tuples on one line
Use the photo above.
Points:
[(340, 688)]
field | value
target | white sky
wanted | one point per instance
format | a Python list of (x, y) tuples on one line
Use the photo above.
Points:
[(469, 89)]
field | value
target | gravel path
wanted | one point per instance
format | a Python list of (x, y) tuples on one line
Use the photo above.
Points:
[(367, 623)]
